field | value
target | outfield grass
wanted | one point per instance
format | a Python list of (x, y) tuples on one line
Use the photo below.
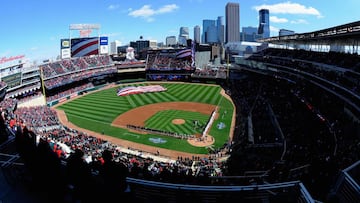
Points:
[(96, 111)]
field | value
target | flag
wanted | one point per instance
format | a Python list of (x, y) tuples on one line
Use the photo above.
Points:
[(139, 89), (84, 46), (183, 53), (192, 53)]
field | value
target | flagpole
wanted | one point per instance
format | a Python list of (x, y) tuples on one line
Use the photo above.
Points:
[(42, 83)]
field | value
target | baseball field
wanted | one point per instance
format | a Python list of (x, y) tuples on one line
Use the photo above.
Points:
[(184, 109)]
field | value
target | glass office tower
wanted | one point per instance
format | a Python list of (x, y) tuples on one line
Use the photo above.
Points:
[(264, 25)]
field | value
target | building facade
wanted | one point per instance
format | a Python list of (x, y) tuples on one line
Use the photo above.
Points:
[(212, 35), (171, 41), (284, 32), (220, 29), (183, 35), (232, 24), (114, 46), (206, 24), (197, 34), (264, 23), (250, 34)]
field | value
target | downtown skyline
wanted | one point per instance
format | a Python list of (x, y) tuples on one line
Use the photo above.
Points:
[(34, 28)]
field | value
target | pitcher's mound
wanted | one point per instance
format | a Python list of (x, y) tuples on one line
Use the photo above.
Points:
[(178, 121)]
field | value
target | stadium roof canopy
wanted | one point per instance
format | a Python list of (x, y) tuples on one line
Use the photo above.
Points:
[(340, 38)]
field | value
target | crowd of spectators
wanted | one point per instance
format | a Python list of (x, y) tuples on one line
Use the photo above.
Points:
[(338, 59), (341, 69), (78, 76), (319, 138), (2, 84), (52, 143), (167, 61), (70, 91), (167, 77), (210, 72), (67, 71), (66, 66)]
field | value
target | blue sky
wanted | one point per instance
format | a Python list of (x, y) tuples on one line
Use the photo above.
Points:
[(34, 27)]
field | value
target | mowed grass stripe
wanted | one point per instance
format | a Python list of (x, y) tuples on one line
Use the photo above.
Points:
[(156, 98), (199, 93), (137, 100), (159, 120), (104, 103), (98, 106), (102, 110), (83, 115), (112, 98), (194, 94), (208, 93), (104, 100), (184, 128), (213, 96), (159, 97), (97, 115), (130, 101), (171, 90), (180, 93), (167, 96), (144, 98)]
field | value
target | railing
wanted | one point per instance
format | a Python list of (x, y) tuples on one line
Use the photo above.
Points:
[(347, 189), (168, 192)]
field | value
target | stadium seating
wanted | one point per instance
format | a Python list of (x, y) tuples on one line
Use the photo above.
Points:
[(300, 139)]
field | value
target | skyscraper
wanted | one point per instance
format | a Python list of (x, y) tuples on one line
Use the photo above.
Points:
[(211, 35), (183, 35), (250, 34), (114, 46), (220, 29), (264, 25), (197, 34), (206, 25), (232, 13), (170, 40)]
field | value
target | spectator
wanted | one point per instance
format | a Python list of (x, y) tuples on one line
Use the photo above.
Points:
[(114, 176), (79, 177)]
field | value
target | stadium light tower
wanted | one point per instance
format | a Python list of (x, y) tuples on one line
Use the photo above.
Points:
[(84, 29)]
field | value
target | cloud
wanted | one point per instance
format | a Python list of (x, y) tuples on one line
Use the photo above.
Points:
[(299, 21), (167, 8), (144, 12), (289, 8), (275, 19), (274, 29), (113, 7), (147, 13)]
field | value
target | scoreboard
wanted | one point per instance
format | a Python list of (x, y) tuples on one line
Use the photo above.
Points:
[(84, 45)]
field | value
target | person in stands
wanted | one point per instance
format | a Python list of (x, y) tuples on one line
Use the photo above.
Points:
[(114, 176)]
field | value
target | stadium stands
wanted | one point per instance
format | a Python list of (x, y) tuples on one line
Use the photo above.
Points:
[(294, 140)]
